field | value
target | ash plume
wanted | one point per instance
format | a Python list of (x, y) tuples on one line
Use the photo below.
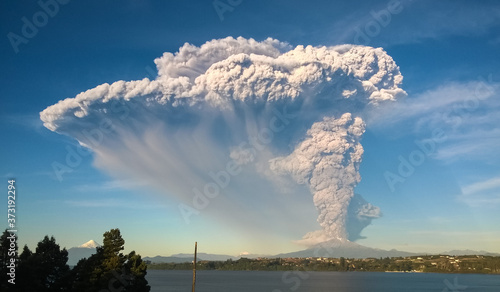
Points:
[(328, 161), (176, 131)]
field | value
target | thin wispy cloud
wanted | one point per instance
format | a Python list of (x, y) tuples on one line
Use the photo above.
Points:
[(484, 194), (111, 203), (110, 185), (27, 121), (463, 18), (472, 145), (467, 113), (433, 105), (415, 22), (492, 183)]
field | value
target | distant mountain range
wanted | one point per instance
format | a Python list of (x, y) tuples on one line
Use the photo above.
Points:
[(344, 248), (333, 249), (461, 252), (349, 249), (184, 257)]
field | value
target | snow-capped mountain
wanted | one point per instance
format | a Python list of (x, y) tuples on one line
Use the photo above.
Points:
[(90, 244), (82, 251)]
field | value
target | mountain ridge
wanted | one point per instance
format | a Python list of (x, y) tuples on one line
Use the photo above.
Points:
[(332, 249)]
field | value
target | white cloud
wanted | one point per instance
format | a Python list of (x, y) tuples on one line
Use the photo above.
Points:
[(110, 203), (110, 185), (485, 193), (240, 70), (480, 145), (430, 107), (179, 132), (468, 113), (492, 183)]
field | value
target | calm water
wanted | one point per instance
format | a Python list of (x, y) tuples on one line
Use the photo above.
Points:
[(243, 281)]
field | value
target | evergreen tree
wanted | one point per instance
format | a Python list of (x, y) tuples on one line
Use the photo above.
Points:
[(6, 254), (84, 278), (137, 269), (109, 270), (53, 262), (28, 271), (44, 270)]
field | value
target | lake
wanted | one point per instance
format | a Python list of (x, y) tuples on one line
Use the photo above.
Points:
[(296, 281)]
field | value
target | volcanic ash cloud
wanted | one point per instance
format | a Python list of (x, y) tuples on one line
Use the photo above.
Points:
[(328, 161), (175, 131)]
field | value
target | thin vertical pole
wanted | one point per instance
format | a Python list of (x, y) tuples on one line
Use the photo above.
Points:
[(194, 264)]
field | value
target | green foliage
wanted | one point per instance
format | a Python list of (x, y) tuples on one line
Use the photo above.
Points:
[(5, 260), (113, 243), (45, 270), (436, 264), (137, 270), (109, 269), (84, 274)]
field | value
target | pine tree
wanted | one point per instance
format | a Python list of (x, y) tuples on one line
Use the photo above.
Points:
[(137, 269), (44, 270), (27, 274), (109, 269), (5, 259)]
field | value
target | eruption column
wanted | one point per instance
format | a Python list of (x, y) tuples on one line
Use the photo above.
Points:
[(328, 161)]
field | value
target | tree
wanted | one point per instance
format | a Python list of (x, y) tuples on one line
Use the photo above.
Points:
[(84, 276), (113, 244), (343, 264), (109, 270), (137, 270), (44, 270), (8, 251), (53, 262), (28, 270)]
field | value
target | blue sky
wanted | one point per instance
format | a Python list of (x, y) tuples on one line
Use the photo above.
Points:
[(446, 51)]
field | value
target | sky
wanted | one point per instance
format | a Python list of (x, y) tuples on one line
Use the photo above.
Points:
[(430, 161)]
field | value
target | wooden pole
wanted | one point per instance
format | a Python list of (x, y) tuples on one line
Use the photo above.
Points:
[(194, 265)]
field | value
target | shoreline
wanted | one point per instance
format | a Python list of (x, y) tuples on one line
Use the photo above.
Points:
[(475, 264)]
